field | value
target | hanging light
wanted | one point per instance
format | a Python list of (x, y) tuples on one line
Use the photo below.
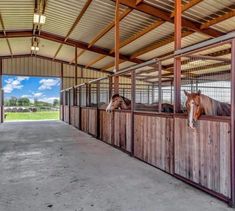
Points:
[(34, 48), (39, 19)]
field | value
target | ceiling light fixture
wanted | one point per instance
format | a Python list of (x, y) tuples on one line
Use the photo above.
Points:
[(39, 19)]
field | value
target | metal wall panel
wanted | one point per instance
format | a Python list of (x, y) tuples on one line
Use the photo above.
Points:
[(31, 66)]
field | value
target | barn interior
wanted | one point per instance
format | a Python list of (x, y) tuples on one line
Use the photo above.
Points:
[(147, 51)]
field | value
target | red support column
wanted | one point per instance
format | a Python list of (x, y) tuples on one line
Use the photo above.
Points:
[(76, 67), (232, 201), (117, 46), (177, 61)]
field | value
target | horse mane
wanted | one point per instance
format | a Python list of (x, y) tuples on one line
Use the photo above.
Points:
[(126, 100), (214, 107)]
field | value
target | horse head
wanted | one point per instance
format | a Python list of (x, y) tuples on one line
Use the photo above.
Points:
[(194, 107), (118, 102)]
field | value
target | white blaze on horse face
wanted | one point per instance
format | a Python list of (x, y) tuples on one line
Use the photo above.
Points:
[(191, 111), (109, 107)]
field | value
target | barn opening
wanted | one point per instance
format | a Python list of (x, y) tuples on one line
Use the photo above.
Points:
[(31, 98)]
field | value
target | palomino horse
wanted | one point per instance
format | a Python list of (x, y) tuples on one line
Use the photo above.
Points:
[(120, 102), (198, 104)]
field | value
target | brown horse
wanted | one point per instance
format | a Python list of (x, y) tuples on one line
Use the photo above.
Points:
[(120, 102), (198, 104)]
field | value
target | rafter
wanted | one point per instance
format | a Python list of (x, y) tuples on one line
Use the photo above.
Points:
[(106, 29), (220, 18), (70, 42), (85, 7), (151, 27), (4, 32), (166, 16), (187, 6)]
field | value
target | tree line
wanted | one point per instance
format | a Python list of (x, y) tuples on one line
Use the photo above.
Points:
[(24, 101)]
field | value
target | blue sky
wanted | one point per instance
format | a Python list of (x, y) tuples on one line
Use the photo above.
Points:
[(44, 89)]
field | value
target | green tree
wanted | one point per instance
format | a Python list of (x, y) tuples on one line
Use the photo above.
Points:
[(24, 101), (13, 101), (55, 102)]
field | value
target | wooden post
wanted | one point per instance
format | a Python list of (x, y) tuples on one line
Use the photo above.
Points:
[(110, 87), (153, 87), (1, 95), (80, 109), (159, 68), (177, 61), (63, 100), (117, 46), (133, 90), (62, 76), (232, 201), (76, 67)]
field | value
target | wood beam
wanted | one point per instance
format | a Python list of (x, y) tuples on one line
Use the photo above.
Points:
[(187, 6), (76, 67), (220, 18), (177, 61), (79, 17), (95, 60), (4, 32), (153, 26), (166, 16), (117, 46), (158, 44), (107, 29), (70, 42)]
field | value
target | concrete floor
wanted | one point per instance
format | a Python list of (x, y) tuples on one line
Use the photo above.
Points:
[(52, 166)]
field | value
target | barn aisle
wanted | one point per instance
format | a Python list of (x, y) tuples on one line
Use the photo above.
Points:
[(52, 166)]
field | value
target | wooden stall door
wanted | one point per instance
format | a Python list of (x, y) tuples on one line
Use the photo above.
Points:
[(122, 130), (153, 140), (66, 114), (203, 155), (106, 126), (92, 121), (74, 116), (84, 119)]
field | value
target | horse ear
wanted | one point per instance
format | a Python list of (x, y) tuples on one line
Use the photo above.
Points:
[(185, 92), (199, 92)]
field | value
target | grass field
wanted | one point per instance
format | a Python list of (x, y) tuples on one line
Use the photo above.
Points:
[(41, 115)]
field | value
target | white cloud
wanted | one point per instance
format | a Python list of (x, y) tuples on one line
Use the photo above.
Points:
[(38, 94), (48, 83), (48, 100), (15, 83), (26, 96)]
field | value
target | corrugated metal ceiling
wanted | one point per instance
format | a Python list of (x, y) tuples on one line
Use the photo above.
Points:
[(18, 15)]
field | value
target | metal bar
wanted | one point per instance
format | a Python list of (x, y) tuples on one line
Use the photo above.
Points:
[(202, 57), (177, 61), (206, 43), (110, 87), (232, 201), (133, 87), (76, 67), (159, 68)]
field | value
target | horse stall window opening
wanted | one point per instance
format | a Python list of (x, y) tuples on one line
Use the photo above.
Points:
[(93, 95), (208, 74), (83, 93), (104, 92), (154, 89)]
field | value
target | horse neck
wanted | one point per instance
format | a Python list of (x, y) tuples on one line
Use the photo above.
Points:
[(127, 102), (208, 105)]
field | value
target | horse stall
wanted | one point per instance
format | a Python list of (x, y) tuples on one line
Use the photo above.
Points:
[(66, 108), (160, 122), (202, 154)]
